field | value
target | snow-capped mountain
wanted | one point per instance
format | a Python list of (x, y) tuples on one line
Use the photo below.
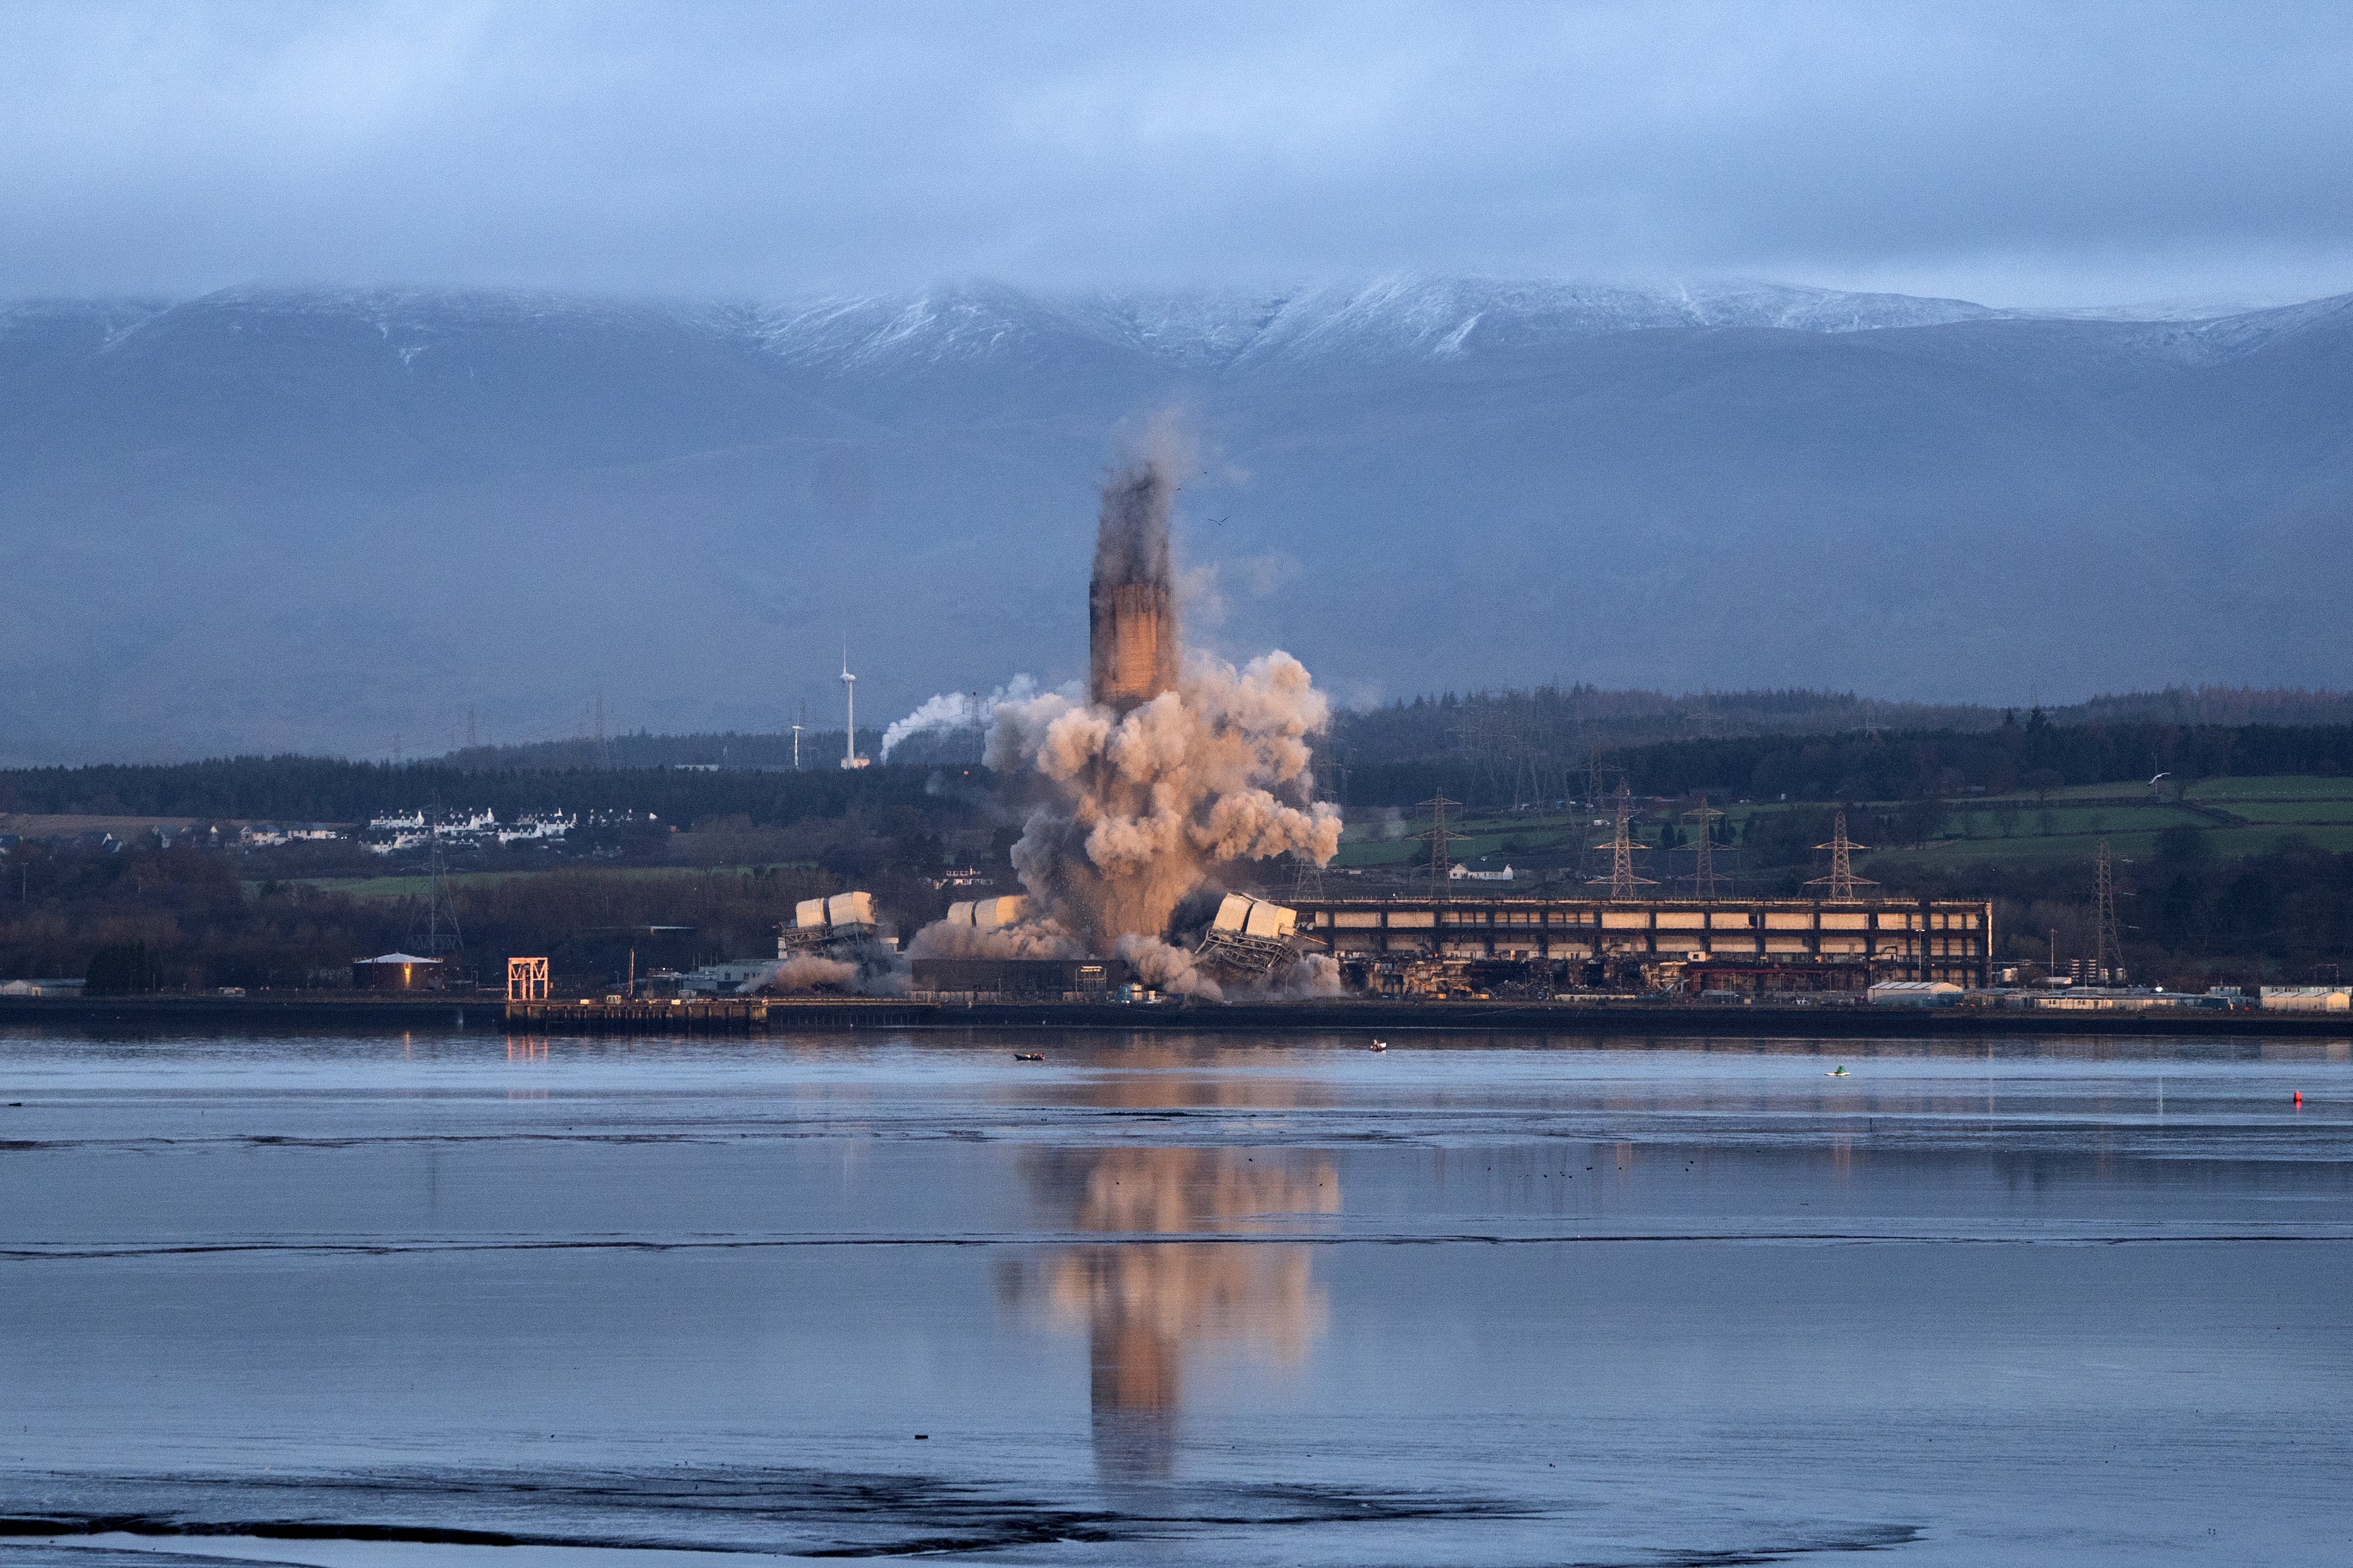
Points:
[(320, 518), (1395, 321)]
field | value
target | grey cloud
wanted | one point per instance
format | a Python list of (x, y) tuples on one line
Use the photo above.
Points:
[(2055, 150)]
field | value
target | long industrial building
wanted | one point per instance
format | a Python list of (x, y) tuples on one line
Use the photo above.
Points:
[(1912, 939)]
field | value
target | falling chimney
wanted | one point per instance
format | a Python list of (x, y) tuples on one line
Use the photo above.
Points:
[(1130, 607)]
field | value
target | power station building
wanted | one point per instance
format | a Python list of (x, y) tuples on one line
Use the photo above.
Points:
[(1765, 941)]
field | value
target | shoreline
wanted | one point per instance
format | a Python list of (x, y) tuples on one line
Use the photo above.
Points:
[(1664, 1020)]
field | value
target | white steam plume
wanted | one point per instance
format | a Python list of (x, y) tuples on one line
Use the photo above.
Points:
[(953, 710)]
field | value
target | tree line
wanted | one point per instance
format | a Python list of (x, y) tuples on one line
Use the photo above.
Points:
[(2189, 918), (2031, 755), (179, 918), (1398, 761)]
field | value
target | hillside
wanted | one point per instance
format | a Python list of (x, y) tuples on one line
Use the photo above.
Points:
[(272, 519)]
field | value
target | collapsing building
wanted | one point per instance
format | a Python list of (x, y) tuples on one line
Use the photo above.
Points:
[(840, 943), (1251, 939), (988, 914), (845, 920)]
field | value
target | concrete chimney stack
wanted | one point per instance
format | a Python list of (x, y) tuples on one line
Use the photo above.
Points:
[(1131, 599)]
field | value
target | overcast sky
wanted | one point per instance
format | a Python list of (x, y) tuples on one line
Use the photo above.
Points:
[(2037, 154)]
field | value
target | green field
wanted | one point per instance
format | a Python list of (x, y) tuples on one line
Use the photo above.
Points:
[(1470, 844), (2076, 819), (2254, 839), (1370, 844), (2316, 810), (2282, 787), (2320, 810), (2117, 791)]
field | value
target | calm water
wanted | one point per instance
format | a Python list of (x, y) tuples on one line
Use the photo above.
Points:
[(558, 1303)]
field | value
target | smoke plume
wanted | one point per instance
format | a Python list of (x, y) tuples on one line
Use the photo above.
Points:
[(1132, 530), (1167, 967), (1174, 970), (1138, 791), (953, 710), (1031, 939), (1138, 806), (875, 971), (806, 972), (1157, 776)]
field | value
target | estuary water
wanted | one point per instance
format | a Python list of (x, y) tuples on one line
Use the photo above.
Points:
[(372, 1300)]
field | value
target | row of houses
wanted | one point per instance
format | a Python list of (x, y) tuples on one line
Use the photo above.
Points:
[(390, 835), (269, 835)]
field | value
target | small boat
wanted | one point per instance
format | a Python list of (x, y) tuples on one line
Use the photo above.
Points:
[(1028, 1055), (1378, 1046), (1838, 1071)]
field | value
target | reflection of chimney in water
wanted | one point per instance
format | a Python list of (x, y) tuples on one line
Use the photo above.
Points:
[(1131, 604), (1145, 1304), (1135, 1380)]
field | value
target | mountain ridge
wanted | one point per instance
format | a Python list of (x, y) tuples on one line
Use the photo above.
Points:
[(1407, 316), (341, 518)]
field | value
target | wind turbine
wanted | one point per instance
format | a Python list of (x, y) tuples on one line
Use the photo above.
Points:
[(849, 757)]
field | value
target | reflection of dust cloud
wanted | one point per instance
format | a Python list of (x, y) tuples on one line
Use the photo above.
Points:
[(1145, 1304)]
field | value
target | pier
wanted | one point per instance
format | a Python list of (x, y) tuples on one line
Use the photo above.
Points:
[(673, 1016), (717, 1015)]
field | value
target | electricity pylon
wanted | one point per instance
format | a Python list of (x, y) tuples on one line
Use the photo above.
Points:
[(2107, 951), (1622, 851), (1842, 881), (1441, 861), (1307, 878), (1704, 873)]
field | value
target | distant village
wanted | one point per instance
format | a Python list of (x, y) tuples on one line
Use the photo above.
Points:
[(388, 834)]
